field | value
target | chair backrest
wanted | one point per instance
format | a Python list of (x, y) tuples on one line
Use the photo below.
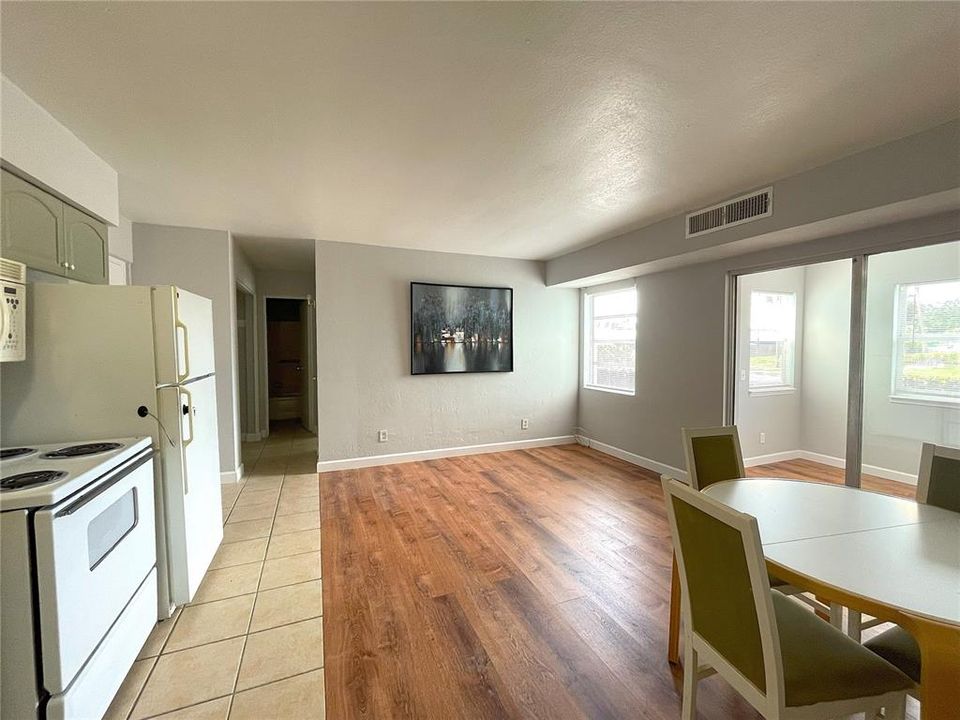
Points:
[(713, 455), (725, 590), (938, 482)]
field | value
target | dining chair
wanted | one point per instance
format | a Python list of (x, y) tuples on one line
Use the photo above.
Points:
[(714, 455), (938, 483), (780, 657)]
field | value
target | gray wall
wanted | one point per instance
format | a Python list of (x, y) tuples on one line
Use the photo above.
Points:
[(199, 261), (363, 345), (682, 338), (680, 346), (825, 360)]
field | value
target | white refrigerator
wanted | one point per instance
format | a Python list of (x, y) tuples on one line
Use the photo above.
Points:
[(115, 361)]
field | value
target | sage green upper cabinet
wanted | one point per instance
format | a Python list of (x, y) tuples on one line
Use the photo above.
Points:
[(86, 243), (32, 231), (45, 233)]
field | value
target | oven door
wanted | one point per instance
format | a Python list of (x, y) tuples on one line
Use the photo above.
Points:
[(93, 552)]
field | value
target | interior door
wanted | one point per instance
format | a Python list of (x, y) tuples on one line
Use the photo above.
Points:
[(191, 480)]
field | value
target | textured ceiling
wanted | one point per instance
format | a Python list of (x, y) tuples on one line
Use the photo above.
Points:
[(513, 129)]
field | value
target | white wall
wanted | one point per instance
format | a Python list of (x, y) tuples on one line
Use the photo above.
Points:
[(120, 240), (199, 261), (36, 144), (363, 346)]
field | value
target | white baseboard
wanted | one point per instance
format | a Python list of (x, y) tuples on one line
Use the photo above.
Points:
[(417, 455), (634, 459), (251, 437), (229, 478), (772, 458), (831, 461)]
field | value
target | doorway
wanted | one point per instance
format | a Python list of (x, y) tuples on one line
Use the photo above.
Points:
[(845, 368), (291, 361), (246, 365)]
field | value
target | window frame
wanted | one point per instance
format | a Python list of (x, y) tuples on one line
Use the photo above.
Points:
[(790, 361), (587, 321), (897, 393)]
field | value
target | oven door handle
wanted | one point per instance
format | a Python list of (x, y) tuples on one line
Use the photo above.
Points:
[(103, 487)]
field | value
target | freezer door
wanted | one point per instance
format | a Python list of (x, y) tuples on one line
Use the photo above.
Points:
[(183, 324), (191, 484)]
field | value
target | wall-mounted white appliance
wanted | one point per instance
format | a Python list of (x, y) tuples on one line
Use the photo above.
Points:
[(13, 310), (78, 577), (107, 361)]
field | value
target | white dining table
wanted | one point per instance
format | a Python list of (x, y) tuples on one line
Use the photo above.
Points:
[(889, 557)]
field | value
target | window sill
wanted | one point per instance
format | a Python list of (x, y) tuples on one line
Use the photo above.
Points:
[(778, 390), (925, 400), (613, 391)]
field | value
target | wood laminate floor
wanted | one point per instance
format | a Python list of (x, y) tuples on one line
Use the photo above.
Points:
[(524, 584)]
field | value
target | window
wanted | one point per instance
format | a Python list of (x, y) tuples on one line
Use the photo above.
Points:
[(610, 348), (927, 341), (773, 325)]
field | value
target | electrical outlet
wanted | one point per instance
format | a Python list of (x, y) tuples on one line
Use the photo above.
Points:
[(382, 436), (763, 438), (525, 424)]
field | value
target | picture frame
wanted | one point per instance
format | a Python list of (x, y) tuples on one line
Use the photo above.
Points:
[(460, 328)]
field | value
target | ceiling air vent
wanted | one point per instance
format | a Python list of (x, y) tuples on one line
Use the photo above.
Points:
[(733, 212)]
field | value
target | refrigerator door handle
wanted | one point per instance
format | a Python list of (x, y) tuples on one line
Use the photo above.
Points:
[(181, 327), (188, 411)]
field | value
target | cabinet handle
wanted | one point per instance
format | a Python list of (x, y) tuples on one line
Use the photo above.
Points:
[(66, 265), (72, 266)]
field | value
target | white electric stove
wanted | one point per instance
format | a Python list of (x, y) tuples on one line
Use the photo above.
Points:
[(79, 584)]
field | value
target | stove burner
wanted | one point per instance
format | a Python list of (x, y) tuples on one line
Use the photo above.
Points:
[(29, 479), (73, 451), (10, 453)]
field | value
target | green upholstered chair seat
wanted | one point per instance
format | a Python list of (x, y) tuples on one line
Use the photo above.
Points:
[(898, 648), (821, 664)]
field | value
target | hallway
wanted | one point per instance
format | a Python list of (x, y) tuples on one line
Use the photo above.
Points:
[(251, 644)]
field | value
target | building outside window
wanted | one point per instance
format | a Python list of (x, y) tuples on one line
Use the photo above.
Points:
[(773, 329), (927, 341)]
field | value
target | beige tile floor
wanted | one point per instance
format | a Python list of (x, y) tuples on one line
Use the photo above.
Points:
[(250, 646)]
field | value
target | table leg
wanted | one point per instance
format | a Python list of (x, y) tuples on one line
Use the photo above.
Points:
[(673, 639), (939, 668)]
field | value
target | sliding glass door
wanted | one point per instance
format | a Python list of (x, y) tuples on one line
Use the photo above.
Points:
[(842, 369), (792, 340), (911, 367)]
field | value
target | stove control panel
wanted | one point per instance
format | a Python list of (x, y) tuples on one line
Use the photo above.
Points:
[(13, 311)]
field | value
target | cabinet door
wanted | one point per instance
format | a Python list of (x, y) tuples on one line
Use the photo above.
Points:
[(32, 226), (86, 241)]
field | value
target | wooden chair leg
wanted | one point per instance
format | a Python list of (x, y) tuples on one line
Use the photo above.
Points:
[(673, 639), (688, 709), (853, 624)]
